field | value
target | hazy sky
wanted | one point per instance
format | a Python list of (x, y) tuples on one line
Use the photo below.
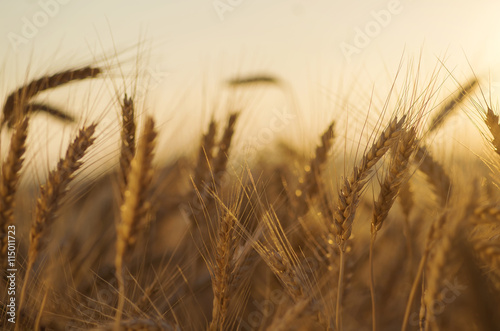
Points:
[(289, 36), (233, 24), (311, 45)]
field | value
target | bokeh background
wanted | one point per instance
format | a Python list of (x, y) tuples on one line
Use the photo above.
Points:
[(333, 59)]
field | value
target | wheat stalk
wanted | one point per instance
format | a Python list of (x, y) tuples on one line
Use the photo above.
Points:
[(435, 270), (407, 202), (348, 196), (278, 255), (389, 190), (51, 195), (433, 234), (10, 173), (134, 206)]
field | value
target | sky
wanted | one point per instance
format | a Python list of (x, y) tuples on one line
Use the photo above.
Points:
[(329, 54)]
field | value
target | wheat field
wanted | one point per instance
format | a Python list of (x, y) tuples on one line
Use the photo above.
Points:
[(373, 230)]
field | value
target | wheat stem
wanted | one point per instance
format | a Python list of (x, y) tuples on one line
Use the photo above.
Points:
[(338, 310)]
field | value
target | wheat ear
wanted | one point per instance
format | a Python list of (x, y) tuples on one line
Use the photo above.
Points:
[(435, 174), (489, 253), (17, 100), (205, 155), (309, 187), (451, 105), (224, 271), (10, 173), (491, 121), (486, 212), (392, 183), (348, 196), (127, 150), (259, 79), (134, 206), (34, 107), (222, 157)]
